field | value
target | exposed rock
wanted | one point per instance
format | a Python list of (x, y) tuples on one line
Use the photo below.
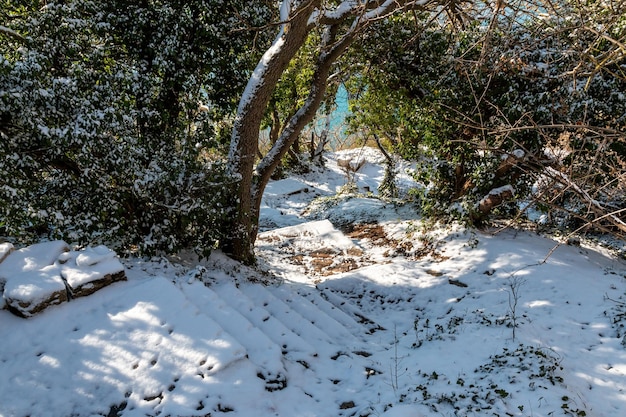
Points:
[(45, 274), (29, 280), (434, 272), (457, 283), (89, 270), (30, 292), (346, 405)]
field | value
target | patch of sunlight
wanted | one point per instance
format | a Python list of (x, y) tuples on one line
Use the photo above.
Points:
[(538, 303), (50, 361)]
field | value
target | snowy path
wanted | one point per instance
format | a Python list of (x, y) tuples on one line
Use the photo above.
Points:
[(372, 321), (433, 333), (132, 348), (152, 347)]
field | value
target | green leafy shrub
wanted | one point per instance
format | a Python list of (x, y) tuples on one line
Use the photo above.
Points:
[(112, 120)]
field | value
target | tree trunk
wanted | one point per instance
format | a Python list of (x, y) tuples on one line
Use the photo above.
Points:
[(245, 135), (299, 22)]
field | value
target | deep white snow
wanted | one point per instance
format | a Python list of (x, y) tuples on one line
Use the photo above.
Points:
[(338, 320)]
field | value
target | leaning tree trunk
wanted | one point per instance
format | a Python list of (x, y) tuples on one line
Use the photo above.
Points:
[(245, 135), (290, 133), (251, 181)]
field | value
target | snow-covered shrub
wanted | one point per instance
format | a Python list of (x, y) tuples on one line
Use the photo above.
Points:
[(481, 108), (109, 120)]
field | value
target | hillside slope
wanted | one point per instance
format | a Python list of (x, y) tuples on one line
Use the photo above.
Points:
[(353, 311)]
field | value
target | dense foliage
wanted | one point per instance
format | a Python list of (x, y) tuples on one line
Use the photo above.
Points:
[(112, 119), (115, 116), (510, 97)]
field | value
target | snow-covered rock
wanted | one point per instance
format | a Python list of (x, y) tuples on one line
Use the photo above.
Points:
[(31, 292), (91, 269), (48, 273), (33, 257), (30, 281)]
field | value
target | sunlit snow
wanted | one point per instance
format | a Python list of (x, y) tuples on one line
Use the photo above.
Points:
[(339, 319)]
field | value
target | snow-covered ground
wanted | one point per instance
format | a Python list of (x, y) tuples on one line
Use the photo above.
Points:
[(342, 318)]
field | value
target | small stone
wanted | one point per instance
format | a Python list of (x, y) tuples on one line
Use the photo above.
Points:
[(457, 283), (346, 405)]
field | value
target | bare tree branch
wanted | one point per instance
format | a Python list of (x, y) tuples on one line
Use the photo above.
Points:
[(10, 32)]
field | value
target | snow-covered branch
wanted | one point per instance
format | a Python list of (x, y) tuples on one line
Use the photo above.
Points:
[(593, 204), (368, 10), (291, 37), (11, 32), (495, 197)]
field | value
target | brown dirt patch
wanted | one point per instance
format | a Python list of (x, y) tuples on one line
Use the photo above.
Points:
[(372, 232), (347, 264), (324, 253), (325, 260)]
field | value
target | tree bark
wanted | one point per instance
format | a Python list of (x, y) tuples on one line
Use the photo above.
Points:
[(298, 23), (245, 135)]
